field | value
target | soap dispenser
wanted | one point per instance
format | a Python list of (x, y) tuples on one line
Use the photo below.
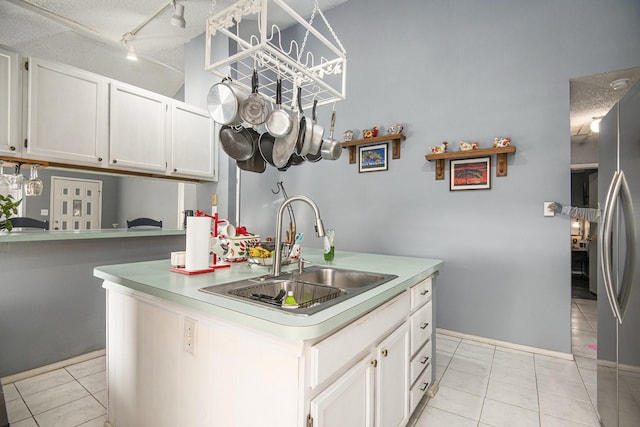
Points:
[(290, 301)]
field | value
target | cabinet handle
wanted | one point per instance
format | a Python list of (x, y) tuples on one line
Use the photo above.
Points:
[(12, 148), (424, 386), (374, 363), (424, 360), (114, 161), (385, 352), (426, 291), (175, 170), (100, 159), (424, 326)]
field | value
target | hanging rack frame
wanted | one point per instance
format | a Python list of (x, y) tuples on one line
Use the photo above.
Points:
[(322, 76)]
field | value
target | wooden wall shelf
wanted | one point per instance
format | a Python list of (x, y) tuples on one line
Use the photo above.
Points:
[(394, 137), (501, 155)]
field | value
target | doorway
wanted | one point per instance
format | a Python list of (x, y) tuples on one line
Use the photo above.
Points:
[(76, 204)]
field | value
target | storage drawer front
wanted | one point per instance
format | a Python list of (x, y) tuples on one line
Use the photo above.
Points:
[(419, 389), (421, 327), (421, 293), (334, 352), (421, 361)]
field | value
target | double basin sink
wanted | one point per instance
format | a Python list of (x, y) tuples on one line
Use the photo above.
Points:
[(314, 289)]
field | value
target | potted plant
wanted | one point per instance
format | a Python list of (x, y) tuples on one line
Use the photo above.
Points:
[(8, 207)]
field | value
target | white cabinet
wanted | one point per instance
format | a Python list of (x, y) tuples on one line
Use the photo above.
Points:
[(10, 105), (422, 339), (392, 379), (193, 143), (138, 129), (67, 114)]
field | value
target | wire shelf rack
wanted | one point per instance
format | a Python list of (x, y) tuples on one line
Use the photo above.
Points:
[(308, 60)]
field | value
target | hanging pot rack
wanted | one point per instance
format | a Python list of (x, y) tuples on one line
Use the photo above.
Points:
[(315, 64)]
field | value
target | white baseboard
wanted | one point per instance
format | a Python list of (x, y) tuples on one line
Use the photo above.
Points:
[(513, 346), (52, 367)]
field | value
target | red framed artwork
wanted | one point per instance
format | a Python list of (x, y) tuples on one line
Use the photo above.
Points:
[(470, 174)]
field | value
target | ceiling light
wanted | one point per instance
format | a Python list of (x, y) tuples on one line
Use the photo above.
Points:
[(619, 84), (595, 124), (131, 54), (177, 20)]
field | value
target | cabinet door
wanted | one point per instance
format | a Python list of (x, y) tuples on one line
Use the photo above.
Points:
[(9, 103), (392, 379), (138, 129), (193, 152), (67, 114), (348, 401)]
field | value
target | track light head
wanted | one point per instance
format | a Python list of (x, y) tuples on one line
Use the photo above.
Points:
[(177, 20)]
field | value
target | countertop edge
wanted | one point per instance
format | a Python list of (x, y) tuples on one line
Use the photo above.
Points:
[(43, 236), (262, 319)]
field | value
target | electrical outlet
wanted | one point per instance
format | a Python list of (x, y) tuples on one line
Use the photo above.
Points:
[(190, 335), (44, 212), (548, 210)]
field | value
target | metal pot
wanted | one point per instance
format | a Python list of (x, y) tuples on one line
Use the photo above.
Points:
[(317, 132), (238, 142), (331, 148), (254, 109), (278, 122), (284, 147), (303, 141), (256, 162), (223, 102)]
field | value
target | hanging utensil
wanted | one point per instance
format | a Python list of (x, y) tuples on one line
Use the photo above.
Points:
[(33, 187), (223, 102), (331, 148), (317, 133), (256, 163), (278, 122), (255, 108), (304, 131), (284, 147), (238, 142)]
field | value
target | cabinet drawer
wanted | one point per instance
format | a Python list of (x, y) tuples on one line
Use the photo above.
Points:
[(421, 293), (339, 349), (421, 327), (419, 389), (420, 361)]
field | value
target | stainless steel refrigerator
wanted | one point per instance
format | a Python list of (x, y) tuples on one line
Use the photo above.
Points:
[(619, 264)]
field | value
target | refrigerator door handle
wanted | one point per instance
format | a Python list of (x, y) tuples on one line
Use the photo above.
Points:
[(630, 255), (604, 245)]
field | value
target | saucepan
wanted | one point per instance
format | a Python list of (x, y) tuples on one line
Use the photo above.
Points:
[(303, 142), (331, 148), (278, 122), (317, 132), (224, 100)]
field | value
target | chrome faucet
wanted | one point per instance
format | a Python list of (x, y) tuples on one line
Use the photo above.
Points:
[(277, 258)]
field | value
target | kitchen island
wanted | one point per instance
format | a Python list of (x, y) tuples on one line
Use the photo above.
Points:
[(179, 356)]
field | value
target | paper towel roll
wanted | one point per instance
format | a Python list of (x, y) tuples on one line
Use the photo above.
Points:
[(198, 236)]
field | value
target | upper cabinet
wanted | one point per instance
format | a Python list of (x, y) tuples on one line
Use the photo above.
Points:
[(138, 129), (192, 151), (67, 117), (10, 105)]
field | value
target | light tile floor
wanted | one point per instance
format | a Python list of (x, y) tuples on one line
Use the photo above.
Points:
[(488, 385), (480, 385)]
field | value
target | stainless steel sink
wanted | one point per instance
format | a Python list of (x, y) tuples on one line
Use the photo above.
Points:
[(314, 289)]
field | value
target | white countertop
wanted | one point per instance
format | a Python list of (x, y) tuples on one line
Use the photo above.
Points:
[(153, 278)]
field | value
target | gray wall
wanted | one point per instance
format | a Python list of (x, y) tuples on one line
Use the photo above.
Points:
[(51, 306), (462, 70)]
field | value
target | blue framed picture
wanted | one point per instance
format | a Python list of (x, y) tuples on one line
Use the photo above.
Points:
[(374, 158)]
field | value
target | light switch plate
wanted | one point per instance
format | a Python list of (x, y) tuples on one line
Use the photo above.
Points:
[(548, 211), (44, 212)]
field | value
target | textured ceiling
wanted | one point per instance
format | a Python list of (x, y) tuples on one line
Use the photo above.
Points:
[(593, 96)]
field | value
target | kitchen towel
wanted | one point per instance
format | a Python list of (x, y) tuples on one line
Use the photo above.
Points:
[(198, 237)]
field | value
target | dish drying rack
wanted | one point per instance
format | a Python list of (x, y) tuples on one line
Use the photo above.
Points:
[(321, 74)]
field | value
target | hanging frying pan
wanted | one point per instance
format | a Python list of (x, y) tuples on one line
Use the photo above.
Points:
[(317, 132), (265, 145), (284, 147), (254, 109), (304, 132), (256, 162), (278, 122), (237, 142)]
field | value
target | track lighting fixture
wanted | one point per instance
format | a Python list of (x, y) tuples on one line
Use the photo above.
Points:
[(177, 20)]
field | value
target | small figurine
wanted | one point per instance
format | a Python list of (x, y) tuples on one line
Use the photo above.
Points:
[(395, 128), (468, 146), (370, 133), (442, 148), (348, 135), (501, 142)]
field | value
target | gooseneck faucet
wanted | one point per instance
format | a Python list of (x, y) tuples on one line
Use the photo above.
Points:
[(277, 258)]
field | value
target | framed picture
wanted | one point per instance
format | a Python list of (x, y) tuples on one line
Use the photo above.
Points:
[(470, 174), (374, 158)]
